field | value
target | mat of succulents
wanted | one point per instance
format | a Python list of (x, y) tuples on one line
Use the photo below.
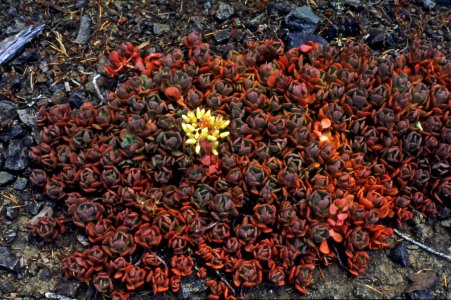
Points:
[(254, 168)]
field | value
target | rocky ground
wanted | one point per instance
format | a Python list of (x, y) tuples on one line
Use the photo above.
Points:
[(59, 66)]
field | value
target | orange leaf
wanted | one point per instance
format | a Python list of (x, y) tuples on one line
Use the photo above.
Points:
[(324, 247), (336, 236), (326, 123), (305, 48), (271, 81), (172, 92)]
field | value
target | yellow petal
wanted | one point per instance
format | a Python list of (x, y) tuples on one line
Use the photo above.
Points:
[(192, 116), (203, 133), (225, 124), (214, 151), (197, 149), (211, 138), (186, 118), (224, 134), (190, 141)]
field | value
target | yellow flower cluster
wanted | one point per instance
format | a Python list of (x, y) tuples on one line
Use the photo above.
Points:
[(201, 125)]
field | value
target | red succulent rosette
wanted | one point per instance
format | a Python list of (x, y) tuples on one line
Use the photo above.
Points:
[(264, 216), (160, 281), (97, 257), (76, 266), (150, 260), (119, 242), (182, 265), (96, 231), (249, 274), (357, 262), (48, 228), (54, 189), (216, 258), (148, 235), (247, 233), (264, 250), (90, 178), (301, 276), (103, 283), (128, 218), (50, 134), (86, 212), (117, 267), (276, 274), (134, 277), (38, 177), (218, 290)]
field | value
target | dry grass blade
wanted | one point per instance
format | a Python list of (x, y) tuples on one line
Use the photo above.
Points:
[(61, 49)]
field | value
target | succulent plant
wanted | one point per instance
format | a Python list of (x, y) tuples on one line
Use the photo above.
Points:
[(250, 164), (118, 242)]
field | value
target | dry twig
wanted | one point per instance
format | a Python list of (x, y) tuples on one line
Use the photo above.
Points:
[(422, 246)]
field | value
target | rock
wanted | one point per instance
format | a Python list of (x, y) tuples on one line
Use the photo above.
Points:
[(222, 36), (33, 207), (9, 261), (8, 112), (444, 3), (59, 96), (342, 26), (90, 87), (193, 288), (429, 4), (357, 4), (379, 39), (84, 30), (76, 99), (197, 23), (15, 131), (81, 3), (27, 116), (302, 19), (9, 236), (20, 184), (446, 223), (420, 295), (50, 295), (297, 39), (7, 287), (399, 254), (33, 269), (280, 8), (12, 213), (16, 158), (159, 28), (423, 231), (421, 285), (68, 288), (6, 178), (224, 12), (12, 11), (256, 21), (56, 87), (443, 212), (45, 274), (28, 55), (14, 28)]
